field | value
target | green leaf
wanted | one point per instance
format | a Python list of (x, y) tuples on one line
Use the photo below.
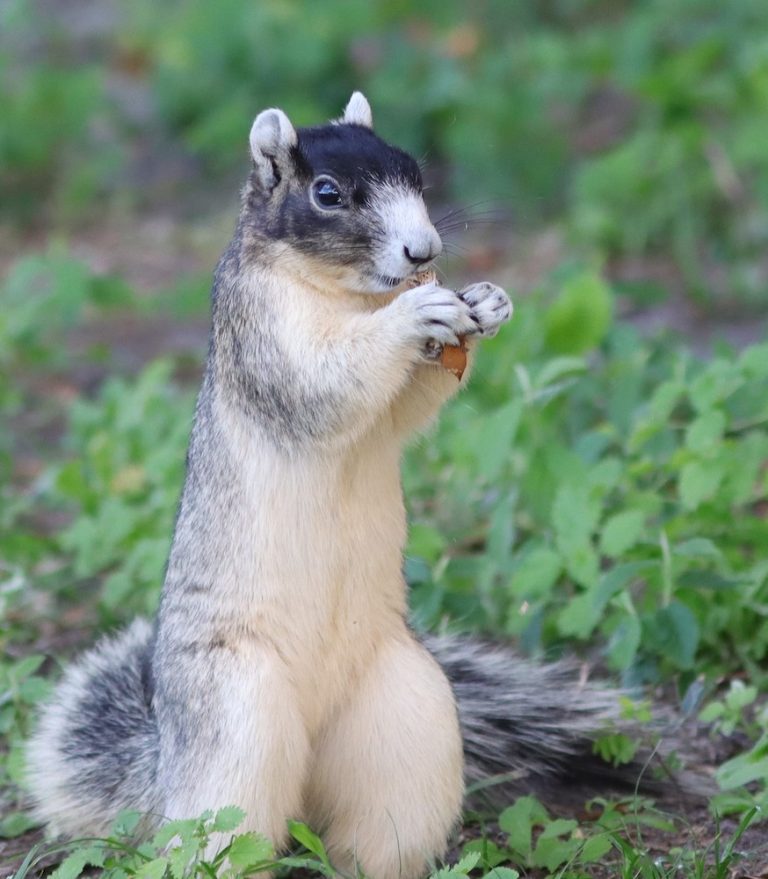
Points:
[(745, 768), (718, 381), (518, 821), (712, 712), (22, 669), (664, 399), (492, 855), (595, 848), (698, 482), (311, 841), (740, 695), (705, 433), (310, 864), (16, 762), (623, 644), (536, 574), (249, 849), (579, 617), (117, 586), (467, 862), (605, 475), (615, 748), (559, 827), (675, 633), (181, 857), (556, 368), (126, 822), (73, 865), (154, 869), (581, 562), (34, 690), (648, 424), (614, 581), (574, 515), (580, 317), (228, 819), (621, 532), (501, 873), (697, 547), (552, 851), (500, 534), (493, 440), (184, 828), (16, 823), (575, 512), (698, 580), (426, 542)]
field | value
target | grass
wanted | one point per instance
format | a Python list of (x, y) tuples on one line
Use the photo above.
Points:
[(528, 837), (581, 114)]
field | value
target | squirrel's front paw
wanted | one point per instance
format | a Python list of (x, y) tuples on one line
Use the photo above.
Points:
[(489, 307), (437, 314)]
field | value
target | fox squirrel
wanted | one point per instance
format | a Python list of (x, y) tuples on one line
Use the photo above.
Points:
[(280, 673)]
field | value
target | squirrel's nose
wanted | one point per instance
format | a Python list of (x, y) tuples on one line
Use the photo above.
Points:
[(423, 253)]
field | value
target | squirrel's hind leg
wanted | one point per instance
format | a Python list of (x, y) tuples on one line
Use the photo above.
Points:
[(243, 744), (386, 785)]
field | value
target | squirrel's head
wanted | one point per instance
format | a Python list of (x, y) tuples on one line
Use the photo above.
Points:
[(339, 201)]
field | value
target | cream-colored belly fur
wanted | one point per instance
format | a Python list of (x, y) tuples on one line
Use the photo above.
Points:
[(343, 718)]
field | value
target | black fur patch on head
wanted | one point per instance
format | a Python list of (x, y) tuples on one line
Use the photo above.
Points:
[(355, 156), (360, 163)]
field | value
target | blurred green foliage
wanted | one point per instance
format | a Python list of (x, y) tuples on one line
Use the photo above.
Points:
[(643, 121)]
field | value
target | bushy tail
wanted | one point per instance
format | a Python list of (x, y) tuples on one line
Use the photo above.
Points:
[(95, 750), (533, 726)]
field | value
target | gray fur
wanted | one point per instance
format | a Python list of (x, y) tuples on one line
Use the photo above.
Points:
[(245, 363), (96, 747), (532, 724)]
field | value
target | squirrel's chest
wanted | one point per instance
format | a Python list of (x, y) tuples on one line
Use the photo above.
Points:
[(326, 537), (327, 572)]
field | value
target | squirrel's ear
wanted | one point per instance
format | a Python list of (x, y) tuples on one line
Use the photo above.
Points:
[(358, 111), (272, 137)]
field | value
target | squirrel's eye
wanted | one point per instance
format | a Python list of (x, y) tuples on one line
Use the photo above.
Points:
[(326, 193)]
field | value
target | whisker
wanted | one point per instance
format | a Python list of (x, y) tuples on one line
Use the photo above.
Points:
[(467, 224), (454, 249), (461, 221), (469, 209), (456, 216)]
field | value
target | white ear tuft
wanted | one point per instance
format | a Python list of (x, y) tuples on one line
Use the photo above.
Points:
[(272, 136), (358, 111), (271, 132)]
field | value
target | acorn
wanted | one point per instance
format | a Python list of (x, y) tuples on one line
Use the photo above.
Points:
[(451, 357)]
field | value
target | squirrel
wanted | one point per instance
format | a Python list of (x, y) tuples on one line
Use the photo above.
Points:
[(280, 673)]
